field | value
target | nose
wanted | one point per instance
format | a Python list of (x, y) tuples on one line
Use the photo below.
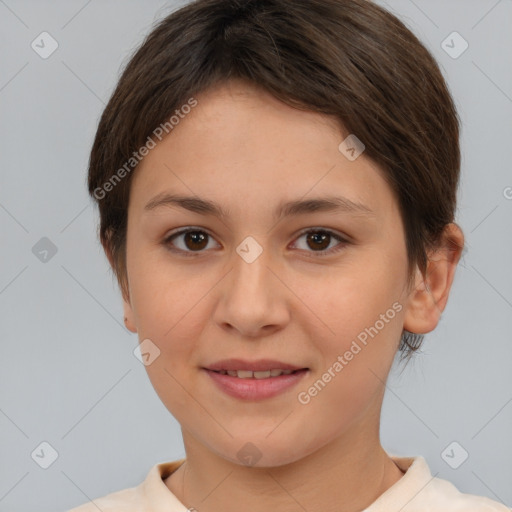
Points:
[(253, 300)]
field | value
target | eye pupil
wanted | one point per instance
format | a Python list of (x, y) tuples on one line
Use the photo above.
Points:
[(196, 237), (319, 237)]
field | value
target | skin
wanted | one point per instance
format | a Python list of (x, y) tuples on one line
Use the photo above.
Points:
[(248, 152)]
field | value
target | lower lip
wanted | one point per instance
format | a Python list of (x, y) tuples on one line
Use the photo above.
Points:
[(255, 389)]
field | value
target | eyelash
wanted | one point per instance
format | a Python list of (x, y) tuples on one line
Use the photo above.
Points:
[(343, 242)]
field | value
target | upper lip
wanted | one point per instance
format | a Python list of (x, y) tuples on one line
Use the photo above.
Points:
[(254, 366)]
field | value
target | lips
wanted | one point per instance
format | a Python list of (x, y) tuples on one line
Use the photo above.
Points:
[(254, 380)]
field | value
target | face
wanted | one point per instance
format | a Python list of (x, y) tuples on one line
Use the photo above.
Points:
[(319, 289)]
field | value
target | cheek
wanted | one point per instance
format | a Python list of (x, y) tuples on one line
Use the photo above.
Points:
[(162, 295), (172, 320), (356, 299), (364, 317), (168, 310)]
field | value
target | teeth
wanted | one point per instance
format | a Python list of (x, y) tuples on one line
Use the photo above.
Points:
[(247, 374), (244, 374), (262, 375)]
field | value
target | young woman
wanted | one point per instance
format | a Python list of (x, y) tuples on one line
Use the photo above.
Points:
[(276, 182)]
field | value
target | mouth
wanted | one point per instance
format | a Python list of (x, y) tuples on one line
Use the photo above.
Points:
[(256, 380), (265, 374)]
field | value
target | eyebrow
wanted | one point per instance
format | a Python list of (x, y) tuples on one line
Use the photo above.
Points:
[(297, 207)]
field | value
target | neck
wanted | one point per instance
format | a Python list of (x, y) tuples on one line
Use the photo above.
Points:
[(346, 475)]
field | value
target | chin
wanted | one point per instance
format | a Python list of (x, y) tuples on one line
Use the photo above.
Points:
[(259, 451)]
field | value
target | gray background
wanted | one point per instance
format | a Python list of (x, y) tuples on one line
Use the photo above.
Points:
[(68, 375)]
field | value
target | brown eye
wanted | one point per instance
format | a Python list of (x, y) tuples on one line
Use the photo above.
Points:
[(319, 241), (195, 240), (188, 241)]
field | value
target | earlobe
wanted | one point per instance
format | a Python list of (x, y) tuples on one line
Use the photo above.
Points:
[(128, 312), (129, 317), (429, 297)]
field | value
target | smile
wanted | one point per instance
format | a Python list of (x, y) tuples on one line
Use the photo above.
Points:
[(258, 385), (247, 374)]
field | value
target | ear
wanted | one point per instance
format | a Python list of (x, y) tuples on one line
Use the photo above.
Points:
[(429, 296), (127, 308), (129, 316)]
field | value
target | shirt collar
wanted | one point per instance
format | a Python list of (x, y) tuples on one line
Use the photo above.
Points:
[(417, 476)]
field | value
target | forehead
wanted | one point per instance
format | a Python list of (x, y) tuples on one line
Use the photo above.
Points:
[(241, 145)]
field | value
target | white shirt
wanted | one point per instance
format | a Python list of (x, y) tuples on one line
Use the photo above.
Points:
[(416, 491)]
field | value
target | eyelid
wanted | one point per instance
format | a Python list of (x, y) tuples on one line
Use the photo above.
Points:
[(322, 229)]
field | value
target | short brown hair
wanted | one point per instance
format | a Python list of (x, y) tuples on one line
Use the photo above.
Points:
[(348, 58)]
